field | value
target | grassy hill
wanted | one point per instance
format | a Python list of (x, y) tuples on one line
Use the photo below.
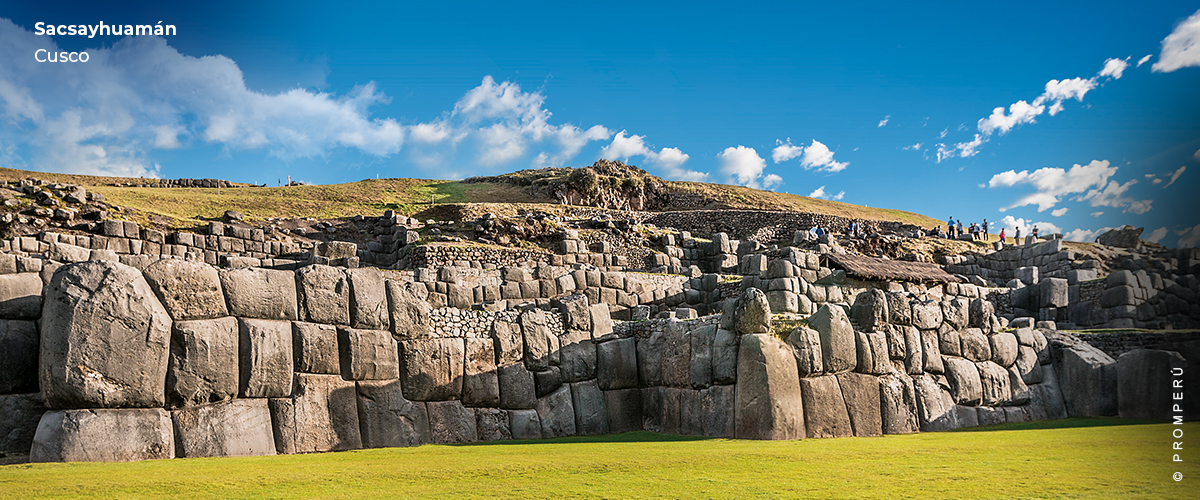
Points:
[(180, 207)]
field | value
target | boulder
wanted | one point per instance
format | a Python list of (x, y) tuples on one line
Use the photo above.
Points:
[(324, 294), (931, 352), (624, 410), (541, 344), (914, 358), (838, 352), (587, 400), (20, 296), (616, 365), (768, 400), (556, 414), (870, 310), (899, 309), (451, 422), (432, 369), (1144, 383), (955, 312), (576, 311), (676, 358), (265, 351), (104, 339), (577, 356), (517, 390), (203, 365), (724, 357), (1004, 348), (409, 310), (21, 412), (524, 424), (897, 404), (806, 345), (320, 415), (237, 428), (1087, 377), (481, 387), (18, 356), (926, 315), (949, 342), (1124, 237), (752, 313), (492, 424), (124, 435), (935, 407), (368, 354), (701, 360), (979, 313), (862, 397), (975, 345), (386, 419), (825, 412), (368, 299), (1027, 365), (963, 377), (315, 348), (994, 384), (260, 293), (872, 352)]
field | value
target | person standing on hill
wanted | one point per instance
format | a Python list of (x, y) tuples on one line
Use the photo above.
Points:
[(950, 227), (1017, 238), (959, 231), (985, 231), (1002, 236)]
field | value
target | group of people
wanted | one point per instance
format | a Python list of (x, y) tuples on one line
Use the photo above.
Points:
[(954, 229)]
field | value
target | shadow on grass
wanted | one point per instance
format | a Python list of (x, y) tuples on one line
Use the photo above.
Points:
[(1068, 423), (626, 437)]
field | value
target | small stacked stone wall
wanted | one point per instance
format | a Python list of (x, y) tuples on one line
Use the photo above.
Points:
[(765, 226)]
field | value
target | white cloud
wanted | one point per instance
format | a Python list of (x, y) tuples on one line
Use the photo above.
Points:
[(1096, 214), (960, 150), (743, 166), (1113, 195), (1018, 113), (1196, 155), (1143, 60), (1059, 212), (914, 147), (785, 151), (1052, 184), (1085, 235), (1188, 237), (772, 180), (820, 193), (1114, 68), (884, 121), (1011, 223), (1157, 235), (669, 160), (1180, 49), (1174, 176), (623, 147)]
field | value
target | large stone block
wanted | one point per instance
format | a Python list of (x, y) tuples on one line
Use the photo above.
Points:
[(492, 424), (237, 428), (975, 345), (203, 367), (676, 359), (769, 404), (577, 356), (806, 344), (315, 348), (872, 352), (955, 312), (624, 410), (451, 422), (899, 309), (432, 369), (724, 357), (616, 365), (188, 289), (995, 388), (1087, 377), (367, 354), (931, 352), (701, 359), (914, 358), (409, 310), (524, 424), (556, 414), (1004, 348), (926, 315), (870, 310), (752, 313), (577, 313), (587, 400), (1144, 383), (1027, 365), (935, 406), (368, 299), (18, 356), (510, 346), (265, 350), (21, 414), (547, 381), (386, 419), (897, 404), (838, 353), (324, 294), (104, 339), (949, 342), (320, 415), (481, 387), (963, 377), (541, 344), (20, 296), (517, 389), (862, 397), (650, 359), (1053, 292), (103, 436), (718, 404), (260, 293), (602, 326), (825, 412)]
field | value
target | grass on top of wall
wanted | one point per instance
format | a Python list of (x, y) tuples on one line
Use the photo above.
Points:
[(1075, 458)]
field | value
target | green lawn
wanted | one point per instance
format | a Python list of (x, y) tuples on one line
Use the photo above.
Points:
[(1066, 459)]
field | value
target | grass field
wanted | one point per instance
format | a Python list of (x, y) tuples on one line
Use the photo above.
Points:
[(1077, 458)]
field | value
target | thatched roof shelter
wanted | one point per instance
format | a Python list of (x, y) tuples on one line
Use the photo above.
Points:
[(871, 268)]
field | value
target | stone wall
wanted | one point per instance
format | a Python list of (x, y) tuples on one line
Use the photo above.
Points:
[(762, 226)]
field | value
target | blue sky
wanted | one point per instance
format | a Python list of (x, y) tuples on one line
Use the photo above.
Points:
[(1019, 113)]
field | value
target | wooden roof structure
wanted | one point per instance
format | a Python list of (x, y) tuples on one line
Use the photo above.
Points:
[(872, 268)]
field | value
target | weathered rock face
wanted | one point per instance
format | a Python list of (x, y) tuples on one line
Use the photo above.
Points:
[(480, 384), (724, 357), (624, 409), (367, 354), (451, 422), (517, 389), (577, 356), (265, 348), (260, 293), (189, 290), (807, 345), (935, 407), (22, 412), (105, 338), (897, 404), (1004, 348), (320, 415), (324, 294), (18, 356), (576, 311), (616, 366), (591, 418), (103, 436), (995, 388), (387, 419), (963, 376), (861, 393), (541, 345), (368, 299), (315, 348), (838, 353), (752, 313), (1123, 237), (409, 310), (768, 401), (524, 424), (203, 366), (1087, 376), (492, 424), (20, 296), (870, 310), (824, 408), (926, 315), (432, 369), (237, 428), (556, 414), (1144, 387)]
